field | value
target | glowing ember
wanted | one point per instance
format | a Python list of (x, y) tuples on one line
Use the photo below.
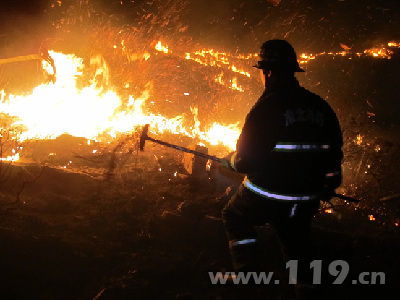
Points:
[(358, 140), (371, 217), (304, 58)]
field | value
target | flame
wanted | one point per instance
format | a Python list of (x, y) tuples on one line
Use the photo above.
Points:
[(209, 57), (229, 134), (377, 52), (94, 112), (240, 71), (235, 86), (161, 48), (358, 140), (394, 44), (233, 83), (14, 157), (239, 64), (59, 107), (304, 58), (218, 78), (97, 112)]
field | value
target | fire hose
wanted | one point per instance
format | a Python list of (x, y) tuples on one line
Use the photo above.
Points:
[(145, 136)]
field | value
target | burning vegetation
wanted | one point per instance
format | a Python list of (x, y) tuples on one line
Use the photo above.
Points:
[(74, 100)]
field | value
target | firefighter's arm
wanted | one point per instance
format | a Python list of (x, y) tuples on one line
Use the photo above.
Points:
[(256, 140)]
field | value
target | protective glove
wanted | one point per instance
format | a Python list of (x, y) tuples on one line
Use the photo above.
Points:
[(226, 163)]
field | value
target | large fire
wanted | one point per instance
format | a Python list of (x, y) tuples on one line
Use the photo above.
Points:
[(95, 112), (60, 107)]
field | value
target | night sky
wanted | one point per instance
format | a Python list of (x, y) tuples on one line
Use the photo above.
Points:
[(312, 25)]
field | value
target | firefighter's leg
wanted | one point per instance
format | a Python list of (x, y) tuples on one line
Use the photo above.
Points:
[(238, 220), (294, 233)]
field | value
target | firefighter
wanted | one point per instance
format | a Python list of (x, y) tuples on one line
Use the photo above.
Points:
[(290, 150)]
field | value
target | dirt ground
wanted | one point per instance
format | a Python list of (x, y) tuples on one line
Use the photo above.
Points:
[(152, 232)]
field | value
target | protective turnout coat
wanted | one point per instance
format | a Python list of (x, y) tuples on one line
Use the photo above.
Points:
[(290, 145)]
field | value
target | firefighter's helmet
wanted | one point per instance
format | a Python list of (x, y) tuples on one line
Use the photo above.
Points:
[(278, 55)]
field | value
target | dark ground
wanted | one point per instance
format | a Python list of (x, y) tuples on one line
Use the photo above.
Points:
[(147, 234)]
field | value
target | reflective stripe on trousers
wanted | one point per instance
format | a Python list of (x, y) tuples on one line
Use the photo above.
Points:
[(242, 242), (264, 193)]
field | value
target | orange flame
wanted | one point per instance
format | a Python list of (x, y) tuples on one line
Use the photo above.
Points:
[(377, 52), (358, 139), (96, 110), (60, 107), (162, 48)]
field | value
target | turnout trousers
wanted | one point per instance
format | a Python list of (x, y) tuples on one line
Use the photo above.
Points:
[(292, 222)]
